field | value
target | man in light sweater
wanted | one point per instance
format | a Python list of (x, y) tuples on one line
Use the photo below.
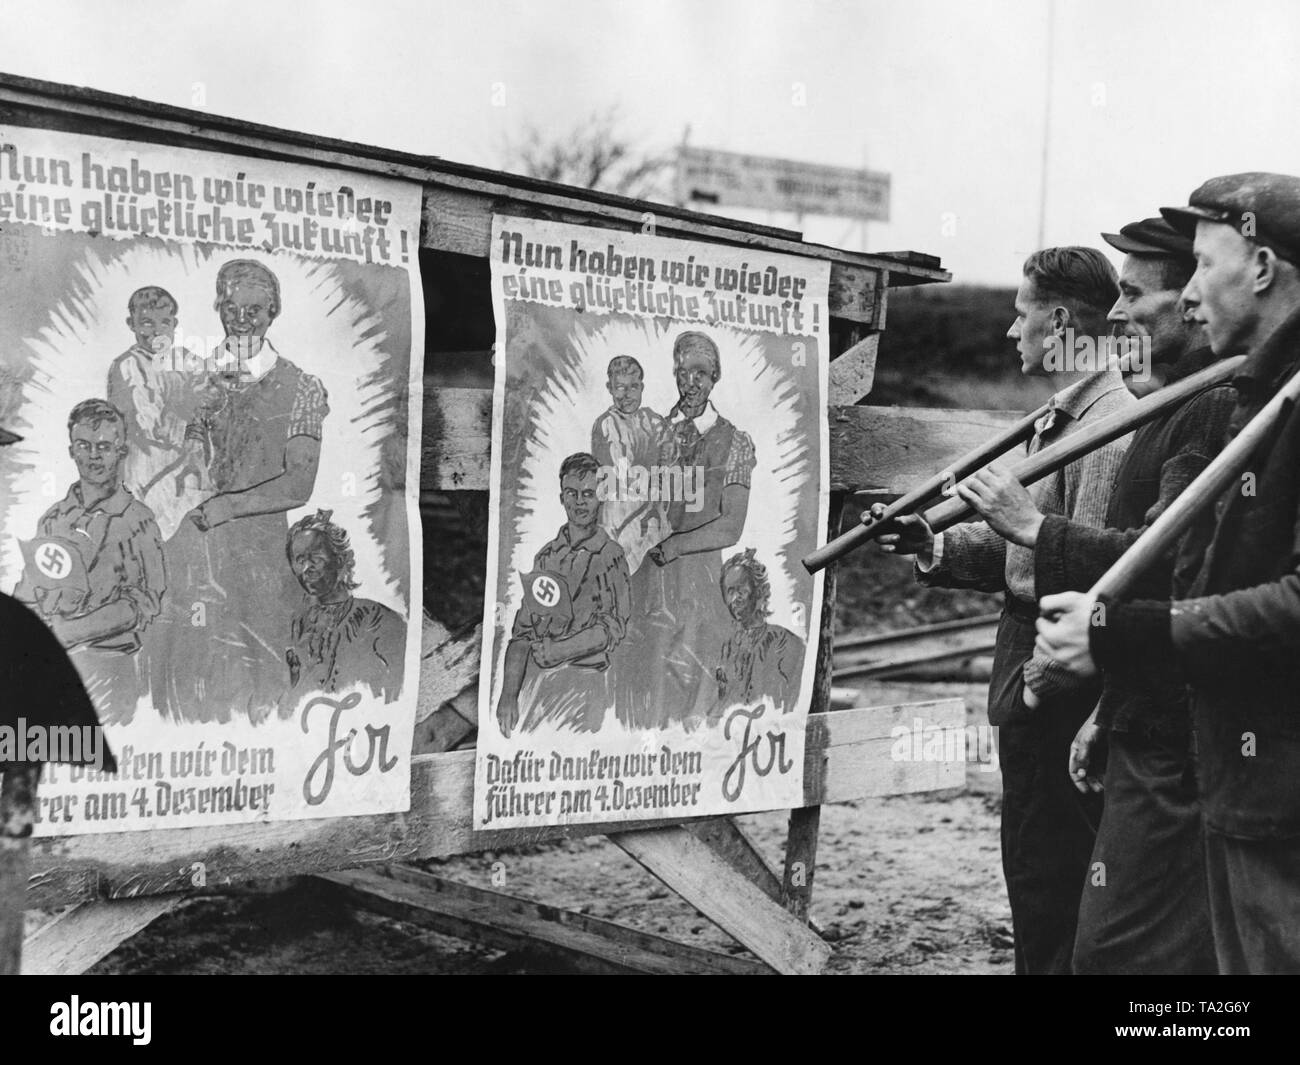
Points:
[(1048, 827), (1144, 908)]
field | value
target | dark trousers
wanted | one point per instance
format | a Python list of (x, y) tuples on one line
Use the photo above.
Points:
[(1048, 828), (1254, 887), (1145, 908)]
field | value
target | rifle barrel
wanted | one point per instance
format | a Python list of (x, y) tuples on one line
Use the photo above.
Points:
[(948, 513), (1212, 482)]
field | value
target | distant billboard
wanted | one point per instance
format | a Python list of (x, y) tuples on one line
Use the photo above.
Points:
[(730, 179)]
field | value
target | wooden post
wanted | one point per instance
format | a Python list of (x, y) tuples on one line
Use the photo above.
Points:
[(801, 837), (805, 822), (17, 815)]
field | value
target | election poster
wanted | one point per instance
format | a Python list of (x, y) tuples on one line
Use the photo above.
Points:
[(659, 466), (214, 365)]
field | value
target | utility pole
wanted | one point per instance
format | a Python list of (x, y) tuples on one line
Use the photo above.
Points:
[(1047, 122), (679, 189), (864, 221)]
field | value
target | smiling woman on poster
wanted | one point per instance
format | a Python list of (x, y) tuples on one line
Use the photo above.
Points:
[(259, 436), (679, 622)]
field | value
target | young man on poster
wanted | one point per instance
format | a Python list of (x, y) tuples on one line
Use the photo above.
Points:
[(95, 570), (575, 613), (1236, 632)]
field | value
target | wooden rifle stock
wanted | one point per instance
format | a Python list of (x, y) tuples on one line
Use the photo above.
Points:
[(1213, 481), (1037, 466)]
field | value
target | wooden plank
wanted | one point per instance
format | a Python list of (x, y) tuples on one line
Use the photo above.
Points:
[(53, 106), (508, 922), (854, 294), (883, 449), (448, 726), (893, 653), (734, 844), (458, 456), (883, 283), (848, 755), (456, 447), (735, 904), (77, 938), (869, 759), (890, 449), (852, 374), (448, 664)]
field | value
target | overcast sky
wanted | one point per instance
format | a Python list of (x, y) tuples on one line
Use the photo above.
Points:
[(1150, 96)]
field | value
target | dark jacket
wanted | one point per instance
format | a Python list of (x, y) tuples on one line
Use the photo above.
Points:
[(38, 682), (1165, 456), (1238, 636)]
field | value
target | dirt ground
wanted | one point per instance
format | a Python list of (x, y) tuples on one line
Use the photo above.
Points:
[(907, 884)]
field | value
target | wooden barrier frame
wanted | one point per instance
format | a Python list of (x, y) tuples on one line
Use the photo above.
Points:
[(709, 861)]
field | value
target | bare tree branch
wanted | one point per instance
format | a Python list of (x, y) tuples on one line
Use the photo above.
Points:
[(593, 154)]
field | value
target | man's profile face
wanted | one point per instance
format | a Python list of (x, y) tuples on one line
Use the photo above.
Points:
[(1146, 308), (696, 376), (625, 389), (314, 563), (154, 326), (1031, 329), (1221, 292), (247, 309), (98, 452), (578, 494), (738, 593)]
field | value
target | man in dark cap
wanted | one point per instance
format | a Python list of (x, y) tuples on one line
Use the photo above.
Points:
[(1236, 632), (1144, 907)]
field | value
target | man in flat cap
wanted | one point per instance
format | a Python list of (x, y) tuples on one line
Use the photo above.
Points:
[(1144, 906), (1048, 828), (1236, 632)]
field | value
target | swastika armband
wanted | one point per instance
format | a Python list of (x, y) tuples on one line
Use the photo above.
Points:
[(55, 568), (547, 594)]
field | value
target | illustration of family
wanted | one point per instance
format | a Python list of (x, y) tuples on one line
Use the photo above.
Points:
[(631, 604), (169, 569)]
